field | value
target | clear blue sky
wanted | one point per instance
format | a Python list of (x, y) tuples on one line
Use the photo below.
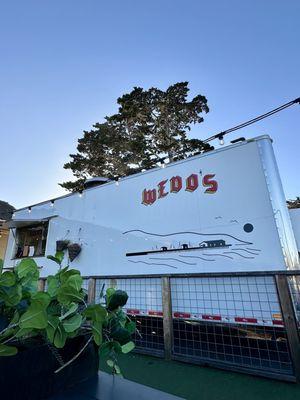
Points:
[(63, 63)]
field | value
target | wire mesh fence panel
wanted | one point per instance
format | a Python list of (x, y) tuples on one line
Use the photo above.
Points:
[(232, 320), (144, 306), (294, 284), (85, 284)]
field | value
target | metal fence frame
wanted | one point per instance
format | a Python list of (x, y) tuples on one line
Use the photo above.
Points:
[(285, 297)]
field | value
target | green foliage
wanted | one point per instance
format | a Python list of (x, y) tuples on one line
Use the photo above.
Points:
[(150, 125), (7, 350), (117, 299), (60, 313), (295, 203)]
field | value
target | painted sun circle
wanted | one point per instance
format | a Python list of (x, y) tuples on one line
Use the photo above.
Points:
[(248, 228)]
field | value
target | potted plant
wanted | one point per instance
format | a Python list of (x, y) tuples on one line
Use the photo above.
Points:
[(51, 339)]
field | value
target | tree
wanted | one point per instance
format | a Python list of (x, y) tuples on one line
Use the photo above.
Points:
[(150, 126), (294, 203), (6, 210)]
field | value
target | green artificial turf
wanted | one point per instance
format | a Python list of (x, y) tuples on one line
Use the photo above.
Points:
[(200, 383)]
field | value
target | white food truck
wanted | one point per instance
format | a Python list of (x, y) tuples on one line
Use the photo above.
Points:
[(221, 211)]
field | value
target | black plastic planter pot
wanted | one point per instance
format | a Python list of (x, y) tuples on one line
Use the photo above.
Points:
[(29, 375)]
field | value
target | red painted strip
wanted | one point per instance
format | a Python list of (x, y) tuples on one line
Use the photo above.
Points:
[(212, 317), (133, 312), (242, 319), (157, 313), (182, 315), (277, 322)]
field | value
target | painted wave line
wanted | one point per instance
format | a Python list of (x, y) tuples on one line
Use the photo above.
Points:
[(189, 233), (204, 259), (233, 252), (144, 262), (221, 255), (247, 251), (174, 259)]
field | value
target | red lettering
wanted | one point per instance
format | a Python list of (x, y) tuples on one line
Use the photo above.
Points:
[(212, 185), (175, 184), (149, 197), (192, 183), (161, 189)]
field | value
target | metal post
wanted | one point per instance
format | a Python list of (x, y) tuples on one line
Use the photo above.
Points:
[(167, 317), (290, 321), (41, 284), (91, 290)]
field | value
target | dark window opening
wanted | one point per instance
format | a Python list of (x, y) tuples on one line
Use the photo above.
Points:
[(31, 241)]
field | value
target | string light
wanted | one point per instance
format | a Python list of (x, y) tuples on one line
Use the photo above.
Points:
[(29, 210), (221, 139), (52, 203), (117, 182), (80, 193)]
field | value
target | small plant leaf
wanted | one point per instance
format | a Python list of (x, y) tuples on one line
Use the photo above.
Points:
[(56, 260), (59, 255), (126, 348), (7, 350), (110, 363), (73, 323)]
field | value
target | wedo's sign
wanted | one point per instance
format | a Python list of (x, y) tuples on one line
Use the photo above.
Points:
[(175, 185)]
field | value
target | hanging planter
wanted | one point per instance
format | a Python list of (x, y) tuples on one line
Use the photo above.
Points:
[(62, 245), (73, 249)]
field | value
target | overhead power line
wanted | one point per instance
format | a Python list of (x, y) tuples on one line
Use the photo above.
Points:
[(221, 135)]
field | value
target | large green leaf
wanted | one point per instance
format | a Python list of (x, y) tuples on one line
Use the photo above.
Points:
[(73, 323), (52, 285), (42, 298), (8, 278), (97, 332), (53, 322), (109, 293), (66, 294), (56, 332), (95, 312), (26, 267), (60, 337), (34, 317), (72, 308), (66, 273), (11, 295), (75, 281), (7, 350)]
